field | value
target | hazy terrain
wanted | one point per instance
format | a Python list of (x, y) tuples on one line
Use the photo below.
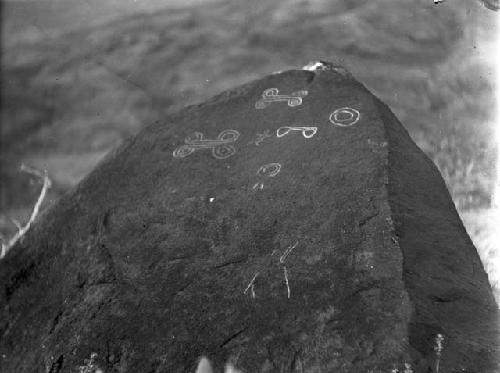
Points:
[(79, 76)]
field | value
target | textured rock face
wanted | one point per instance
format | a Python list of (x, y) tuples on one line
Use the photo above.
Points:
[(290, 225)]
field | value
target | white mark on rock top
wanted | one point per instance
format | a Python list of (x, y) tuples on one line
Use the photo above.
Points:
[(315, 65)]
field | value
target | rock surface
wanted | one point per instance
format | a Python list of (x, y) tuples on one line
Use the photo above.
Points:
[(289, 225)]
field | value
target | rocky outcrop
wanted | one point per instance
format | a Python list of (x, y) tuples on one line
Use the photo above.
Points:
[(289, 225)]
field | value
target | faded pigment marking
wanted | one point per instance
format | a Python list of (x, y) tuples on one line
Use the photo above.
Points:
[(251, 285), (261, 137), (270, 170)]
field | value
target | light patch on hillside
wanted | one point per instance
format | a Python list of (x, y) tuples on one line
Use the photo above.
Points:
[(483, 225)]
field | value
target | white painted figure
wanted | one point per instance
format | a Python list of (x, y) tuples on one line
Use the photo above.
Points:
[(344, 117), (288, 251), (251, 285), (285, 272), (270, 170), (220, 147), (258, 186), (307, 132), (271, 95)]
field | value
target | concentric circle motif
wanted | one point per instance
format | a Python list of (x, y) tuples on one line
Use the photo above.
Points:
[(345, 117)]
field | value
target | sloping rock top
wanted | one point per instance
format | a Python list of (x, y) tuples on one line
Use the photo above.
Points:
[(288, 225)]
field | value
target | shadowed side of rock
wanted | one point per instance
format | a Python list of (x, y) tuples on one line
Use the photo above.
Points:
[(443, 273), (289, 225)]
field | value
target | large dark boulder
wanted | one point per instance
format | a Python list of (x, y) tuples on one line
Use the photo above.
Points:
[(289, 225)]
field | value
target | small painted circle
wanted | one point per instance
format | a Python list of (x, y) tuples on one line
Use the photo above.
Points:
[(344, 117), (223, 151), (270, 170)]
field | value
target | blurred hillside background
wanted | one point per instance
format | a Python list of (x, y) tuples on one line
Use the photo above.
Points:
[(79, 76)]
